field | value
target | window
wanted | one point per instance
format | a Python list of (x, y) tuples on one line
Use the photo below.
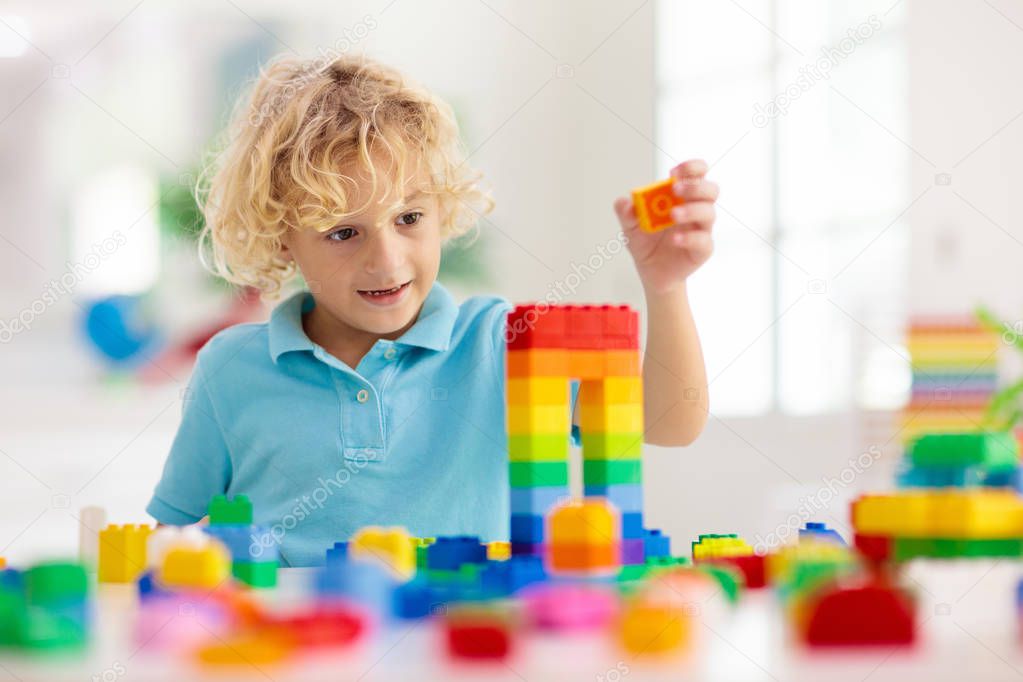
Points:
[(800, 108)]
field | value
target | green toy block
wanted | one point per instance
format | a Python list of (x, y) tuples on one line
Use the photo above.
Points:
[(625, 446), (12, 615), (255, 573), (56, 582), (421, 549), (236, 511), (537, 474), (42, 630), (667, 561), (729, 578), (993, 451), (611, 471), (538, 447), (951, 548)]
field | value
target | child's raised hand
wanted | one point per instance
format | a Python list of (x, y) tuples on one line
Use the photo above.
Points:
[(666, 258)]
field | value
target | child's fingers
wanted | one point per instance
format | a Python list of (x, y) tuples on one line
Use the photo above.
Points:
[(699, 244), (626, 213), (699, 190), (690, 169), (700, 214)]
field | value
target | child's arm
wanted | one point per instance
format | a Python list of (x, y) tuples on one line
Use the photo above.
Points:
[(675, 401)]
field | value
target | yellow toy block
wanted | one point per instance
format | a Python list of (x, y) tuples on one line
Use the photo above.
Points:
[(593, 520), (960, 514), (611, 390), (393, 548), (653, 205), (528, 419), (3, 563), (189, 567), (499, 550), (604, 418), (247, 649), (904, 514), (649, 628), (538, 391), (122, 553), (709, 547)]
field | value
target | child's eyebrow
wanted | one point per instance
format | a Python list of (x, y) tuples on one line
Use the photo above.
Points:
[(415, 195)]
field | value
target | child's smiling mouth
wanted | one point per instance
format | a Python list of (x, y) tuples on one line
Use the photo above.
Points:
[(385, 296)]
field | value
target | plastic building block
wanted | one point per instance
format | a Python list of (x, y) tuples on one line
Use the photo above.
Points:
[(632, 525), (752, 567), (537, 500), (236, 511), (538, 419), (529, 549), (527, 528), (990, 450), (538, 391), (820, 531), (502, 578), (612, 446), (165, 537), (416, 599), (498, 550), (91, 520), (982, 513), (655, 544), (337, 553), (591, 520), (797, 569), (583, 558), (323, 626), (539, 447), (250, 649), (55, 582), (393, 548), (476, 634), (874, 548), (203, 568), (715, 545), (625, 418), (610, 471), (359, 581), (449, 553), (905, 549), (653, 205), (246, 543), (122, 553), (569, 607), (632, 551), (255, 573), (649, 628), (859, 615), (627, 497), (531, 474)]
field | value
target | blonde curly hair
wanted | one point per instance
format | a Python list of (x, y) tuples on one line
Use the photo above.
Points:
[(280, 167)]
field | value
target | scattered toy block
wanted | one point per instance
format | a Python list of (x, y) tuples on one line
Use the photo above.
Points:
[(859, 615), (648, 628), (122, 553), (450, 553), (203, 568), (477, 635), (820, 531), (393, 548)]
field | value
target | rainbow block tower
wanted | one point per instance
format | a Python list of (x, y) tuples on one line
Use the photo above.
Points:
[(548, 346), (955, 374)]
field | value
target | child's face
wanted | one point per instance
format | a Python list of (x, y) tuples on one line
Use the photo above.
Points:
[(373, 270)]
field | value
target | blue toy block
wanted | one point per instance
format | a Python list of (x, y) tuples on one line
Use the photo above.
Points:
[(246, 543), (12, 578), (537, 500), (148, 588), (415, 599), (632, 526), (820, 531), (360, 581), (527, 528), (628, 497), (655, 544), (503, 578), (449, 553), (1006, 478), (337, 554), (1019, 595)]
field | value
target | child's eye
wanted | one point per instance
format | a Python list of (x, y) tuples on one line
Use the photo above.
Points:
[(410, 218), (342, 234)]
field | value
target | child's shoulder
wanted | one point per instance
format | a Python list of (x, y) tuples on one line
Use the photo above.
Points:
[(245, 341)]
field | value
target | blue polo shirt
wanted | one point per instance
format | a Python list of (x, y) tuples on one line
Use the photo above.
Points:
[(413, 436)]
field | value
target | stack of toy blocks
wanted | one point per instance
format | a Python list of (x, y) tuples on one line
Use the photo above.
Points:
[(254, 553), (955, 373), (547, 347), (729, 549), (947, 521), (122, 553)]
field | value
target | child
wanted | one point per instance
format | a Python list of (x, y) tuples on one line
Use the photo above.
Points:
[(374, 398)]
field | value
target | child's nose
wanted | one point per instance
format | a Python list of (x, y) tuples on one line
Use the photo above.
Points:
[(384, 253)]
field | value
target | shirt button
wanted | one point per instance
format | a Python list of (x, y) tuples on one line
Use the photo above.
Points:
[(390, 353), (362, 396)]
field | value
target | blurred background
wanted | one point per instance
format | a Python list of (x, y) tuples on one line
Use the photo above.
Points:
[(868, 153)]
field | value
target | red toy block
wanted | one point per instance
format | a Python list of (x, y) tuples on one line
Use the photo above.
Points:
[(324, 626), (621, 327), (752, 567), (536, 325), (864, 615), (478, 638), (874, 548)]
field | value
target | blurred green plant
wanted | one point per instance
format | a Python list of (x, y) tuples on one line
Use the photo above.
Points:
[(1006, 407)]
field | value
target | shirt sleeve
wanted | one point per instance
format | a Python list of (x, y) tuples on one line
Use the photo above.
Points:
[(199, 464)]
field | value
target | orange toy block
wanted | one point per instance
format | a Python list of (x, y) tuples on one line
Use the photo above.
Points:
[(653, 205), (593, 520), (538, 362)]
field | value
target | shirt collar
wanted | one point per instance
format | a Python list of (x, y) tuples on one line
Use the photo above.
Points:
[(431, 330)]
